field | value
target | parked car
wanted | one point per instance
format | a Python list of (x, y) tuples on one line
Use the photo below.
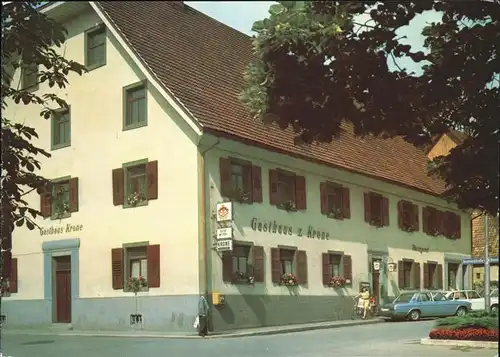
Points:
[(417, 304), (476, 300)]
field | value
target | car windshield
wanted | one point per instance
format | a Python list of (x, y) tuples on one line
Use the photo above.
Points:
[(404, 298)]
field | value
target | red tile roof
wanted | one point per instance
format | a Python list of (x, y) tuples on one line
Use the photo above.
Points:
[(202, 61)]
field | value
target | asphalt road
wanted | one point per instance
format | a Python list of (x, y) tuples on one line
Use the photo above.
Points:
[(387, 339)]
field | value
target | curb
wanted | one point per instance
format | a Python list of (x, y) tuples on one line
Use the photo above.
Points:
[(214, 336), (459, 343)]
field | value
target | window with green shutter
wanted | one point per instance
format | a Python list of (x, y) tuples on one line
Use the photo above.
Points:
[(29, 77), (61, 129), (135, 106), (95, 47)]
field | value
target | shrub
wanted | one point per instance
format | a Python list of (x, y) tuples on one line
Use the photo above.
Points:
[(468, 321), (471, 334)]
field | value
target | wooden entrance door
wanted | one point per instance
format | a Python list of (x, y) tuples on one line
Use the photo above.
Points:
[(63, 289)]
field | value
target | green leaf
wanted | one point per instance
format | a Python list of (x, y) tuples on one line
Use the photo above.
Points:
[(30, 225), (276, 9)]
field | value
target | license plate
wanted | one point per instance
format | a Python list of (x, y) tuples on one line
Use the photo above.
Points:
[(384, 309)]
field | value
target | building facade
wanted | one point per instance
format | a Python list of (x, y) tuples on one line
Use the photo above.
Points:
[(442, 146), (174, 141)]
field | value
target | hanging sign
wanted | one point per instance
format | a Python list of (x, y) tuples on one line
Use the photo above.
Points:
[(224, 211), (225, 233), (224, 245)]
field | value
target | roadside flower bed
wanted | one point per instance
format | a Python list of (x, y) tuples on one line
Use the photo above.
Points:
[(470, 333), (476, 326)]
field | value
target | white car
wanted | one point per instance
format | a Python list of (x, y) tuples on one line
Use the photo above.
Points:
[(474, 298)]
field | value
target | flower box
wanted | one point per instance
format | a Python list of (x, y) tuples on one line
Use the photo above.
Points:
[(337, 281), (135, 319), (241, 278), (464, 334), (288, 206), (288, 279)]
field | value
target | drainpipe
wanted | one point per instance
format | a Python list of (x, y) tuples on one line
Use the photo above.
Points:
[(486, 265), (203, 203)]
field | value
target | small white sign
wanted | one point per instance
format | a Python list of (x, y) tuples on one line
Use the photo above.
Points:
[(224, 211), (391, 267), (224, 244), (225, 233), (376, 266)]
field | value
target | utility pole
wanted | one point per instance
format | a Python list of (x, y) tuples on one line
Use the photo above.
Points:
[(486, 265)]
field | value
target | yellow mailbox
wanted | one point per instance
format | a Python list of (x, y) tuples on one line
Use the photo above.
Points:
[(218, 299)]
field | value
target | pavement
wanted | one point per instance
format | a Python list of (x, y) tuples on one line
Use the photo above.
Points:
[(260, 331), (367, 340)]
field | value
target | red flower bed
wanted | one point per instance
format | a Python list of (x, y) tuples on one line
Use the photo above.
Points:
[(471, 334)]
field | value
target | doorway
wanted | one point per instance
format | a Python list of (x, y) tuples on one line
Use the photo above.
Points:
[(62, 282)]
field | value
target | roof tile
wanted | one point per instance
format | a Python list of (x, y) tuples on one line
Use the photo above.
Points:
[(202, 62)]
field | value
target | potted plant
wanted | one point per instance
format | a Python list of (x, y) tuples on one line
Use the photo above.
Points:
[(410, 228), (61, 206), (288, 279), (135, 285), (241, 277), (336, 213), (240, 196), (337, 281), (288, 206), (135, 198)]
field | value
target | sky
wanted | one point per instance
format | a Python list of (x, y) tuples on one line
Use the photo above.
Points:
[(241, 15)]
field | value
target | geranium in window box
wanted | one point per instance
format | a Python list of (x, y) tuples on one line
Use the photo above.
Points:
[(240, 196), (135, 198), (288, 206), (136, 284), (337, 281), (240, 277), (336, 213), (288, 279), (61, 208), (377, 222), (409, 228)]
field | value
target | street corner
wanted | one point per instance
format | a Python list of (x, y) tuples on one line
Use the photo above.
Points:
[(459, 343)]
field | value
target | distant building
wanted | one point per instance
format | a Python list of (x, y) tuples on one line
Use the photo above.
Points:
[(441, 147), (155, 137)]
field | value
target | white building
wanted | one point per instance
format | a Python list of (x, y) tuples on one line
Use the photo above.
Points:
[(158, 115)]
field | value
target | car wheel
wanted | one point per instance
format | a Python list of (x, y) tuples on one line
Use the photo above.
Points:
[(462, 311), (414, 315), (494, 308)]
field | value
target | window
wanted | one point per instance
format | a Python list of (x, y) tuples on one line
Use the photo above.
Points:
[(376, 209), (451, 225), (134, 260), (61, 129), (408, 216), (336, 264), (29, 77), (241, 262), (95, 47), (335, 200), (288, 261), (423, 297), (240, 180), (244, 264), (137, 262), (473, 294), (60, 199), (434, 221), (287, 190), (135, 183), (407, 267), (135, 189), (430, 275), (452, 276), (135, 106)]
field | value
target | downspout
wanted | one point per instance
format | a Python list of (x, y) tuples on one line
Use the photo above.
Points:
[(203, 202)]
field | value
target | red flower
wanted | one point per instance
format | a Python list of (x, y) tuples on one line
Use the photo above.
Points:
[(469, 333)]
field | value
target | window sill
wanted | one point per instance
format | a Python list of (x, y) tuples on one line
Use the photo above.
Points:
[(55, 218), (135, 126), (143, 290), (60, 146), (239, 200), (140, 204), (95, 66), (283, 207), (339, 217)]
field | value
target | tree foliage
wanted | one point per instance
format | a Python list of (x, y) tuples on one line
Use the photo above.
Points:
[(29, 38), (323, 62)]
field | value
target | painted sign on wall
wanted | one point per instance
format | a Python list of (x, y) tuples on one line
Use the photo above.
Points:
[(274, 227), (68, 228)]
